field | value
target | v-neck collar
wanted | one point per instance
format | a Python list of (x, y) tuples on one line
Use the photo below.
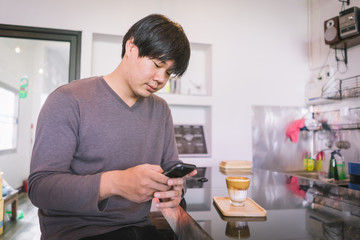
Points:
[(118, 98)]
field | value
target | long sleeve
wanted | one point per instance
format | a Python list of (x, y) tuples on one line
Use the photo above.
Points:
[(52, 185)]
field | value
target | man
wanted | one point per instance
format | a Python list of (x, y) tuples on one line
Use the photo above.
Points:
[(102, 143)]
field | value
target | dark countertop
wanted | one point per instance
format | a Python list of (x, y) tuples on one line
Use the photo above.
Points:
[(297, 208)]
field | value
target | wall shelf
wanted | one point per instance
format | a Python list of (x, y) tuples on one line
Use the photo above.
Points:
[(342, 117), (186, 100), (337, 127), (347, 43), (342, 88)]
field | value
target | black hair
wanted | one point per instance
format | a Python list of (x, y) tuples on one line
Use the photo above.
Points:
[(158, 37)]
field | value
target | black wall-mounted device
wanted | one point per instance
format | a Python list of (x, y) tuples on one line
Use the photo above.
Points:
[(331, 31)]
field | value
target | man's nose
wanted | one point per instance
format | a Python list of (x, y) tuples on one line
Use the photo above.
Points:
[(161, 76)]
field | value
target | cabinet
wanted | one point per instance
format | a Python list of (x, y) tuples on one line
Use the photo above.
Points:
[(191, 103)]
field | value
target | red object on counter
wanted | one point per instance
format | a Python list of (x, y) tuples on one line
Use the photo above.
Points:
[(293, 184), (320, 156), (293, 129), (25, 186)]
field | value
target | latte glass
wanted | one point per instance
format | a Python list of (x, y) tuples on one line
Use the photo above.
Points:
[(237, 187)]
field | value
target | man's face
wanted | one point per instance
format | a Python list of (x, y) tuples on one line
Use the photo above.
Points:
[(147, 75)]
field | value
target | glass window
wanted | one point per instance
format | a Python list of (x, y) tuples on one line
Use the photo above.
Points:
[(33, 62), (9, 105)]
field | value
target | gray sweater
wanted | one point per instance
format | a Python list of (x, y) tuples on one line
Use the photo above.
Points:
[(84, 129)]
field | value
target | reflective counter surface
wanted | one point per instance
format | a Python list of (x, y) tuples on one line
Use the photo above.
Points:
[(297, 208)]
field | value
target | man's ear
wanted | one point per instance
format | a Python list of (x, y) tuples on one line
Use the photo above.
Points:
[(130, 45)]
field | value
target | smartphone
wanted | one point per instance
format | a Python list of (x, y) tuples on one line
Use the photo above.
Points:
[(179, 170)]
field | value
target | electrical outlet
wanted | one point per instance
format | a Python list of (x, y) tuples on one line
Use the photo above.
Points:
[(329, 72)]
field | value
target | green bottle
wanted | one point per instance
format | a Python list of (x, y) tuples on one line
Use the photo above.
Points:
[(333, 171)]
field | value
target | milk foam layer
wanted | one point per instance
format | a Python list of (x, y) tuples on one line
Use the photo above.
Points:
[(237, 195)]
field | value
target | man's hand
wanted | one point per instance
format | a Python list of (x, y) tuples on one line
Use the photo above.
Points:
[(172, 197), (137, 184)]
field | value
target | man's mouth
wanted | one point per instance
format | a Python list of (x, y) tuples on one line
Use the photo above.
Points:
[(152, 86)]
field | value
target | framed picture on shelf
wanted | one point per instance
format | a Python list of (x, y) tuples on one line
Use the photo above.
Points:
[(190, 140)]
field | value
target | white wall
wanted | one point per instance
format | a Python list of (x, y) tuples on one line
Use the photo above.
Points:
[(259, 49)]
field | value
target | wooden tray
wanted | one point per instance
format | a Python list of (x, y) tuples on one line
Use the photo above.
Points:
[(250, 209), (228, 165), (238, 218), (241, 172)]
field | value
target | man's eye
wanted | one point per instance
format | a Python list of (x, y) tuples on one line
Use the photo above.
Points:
[(156, 64)]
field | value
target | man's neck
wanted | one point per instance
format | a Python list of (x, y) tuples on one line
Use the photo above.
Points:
[(117, 83)]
